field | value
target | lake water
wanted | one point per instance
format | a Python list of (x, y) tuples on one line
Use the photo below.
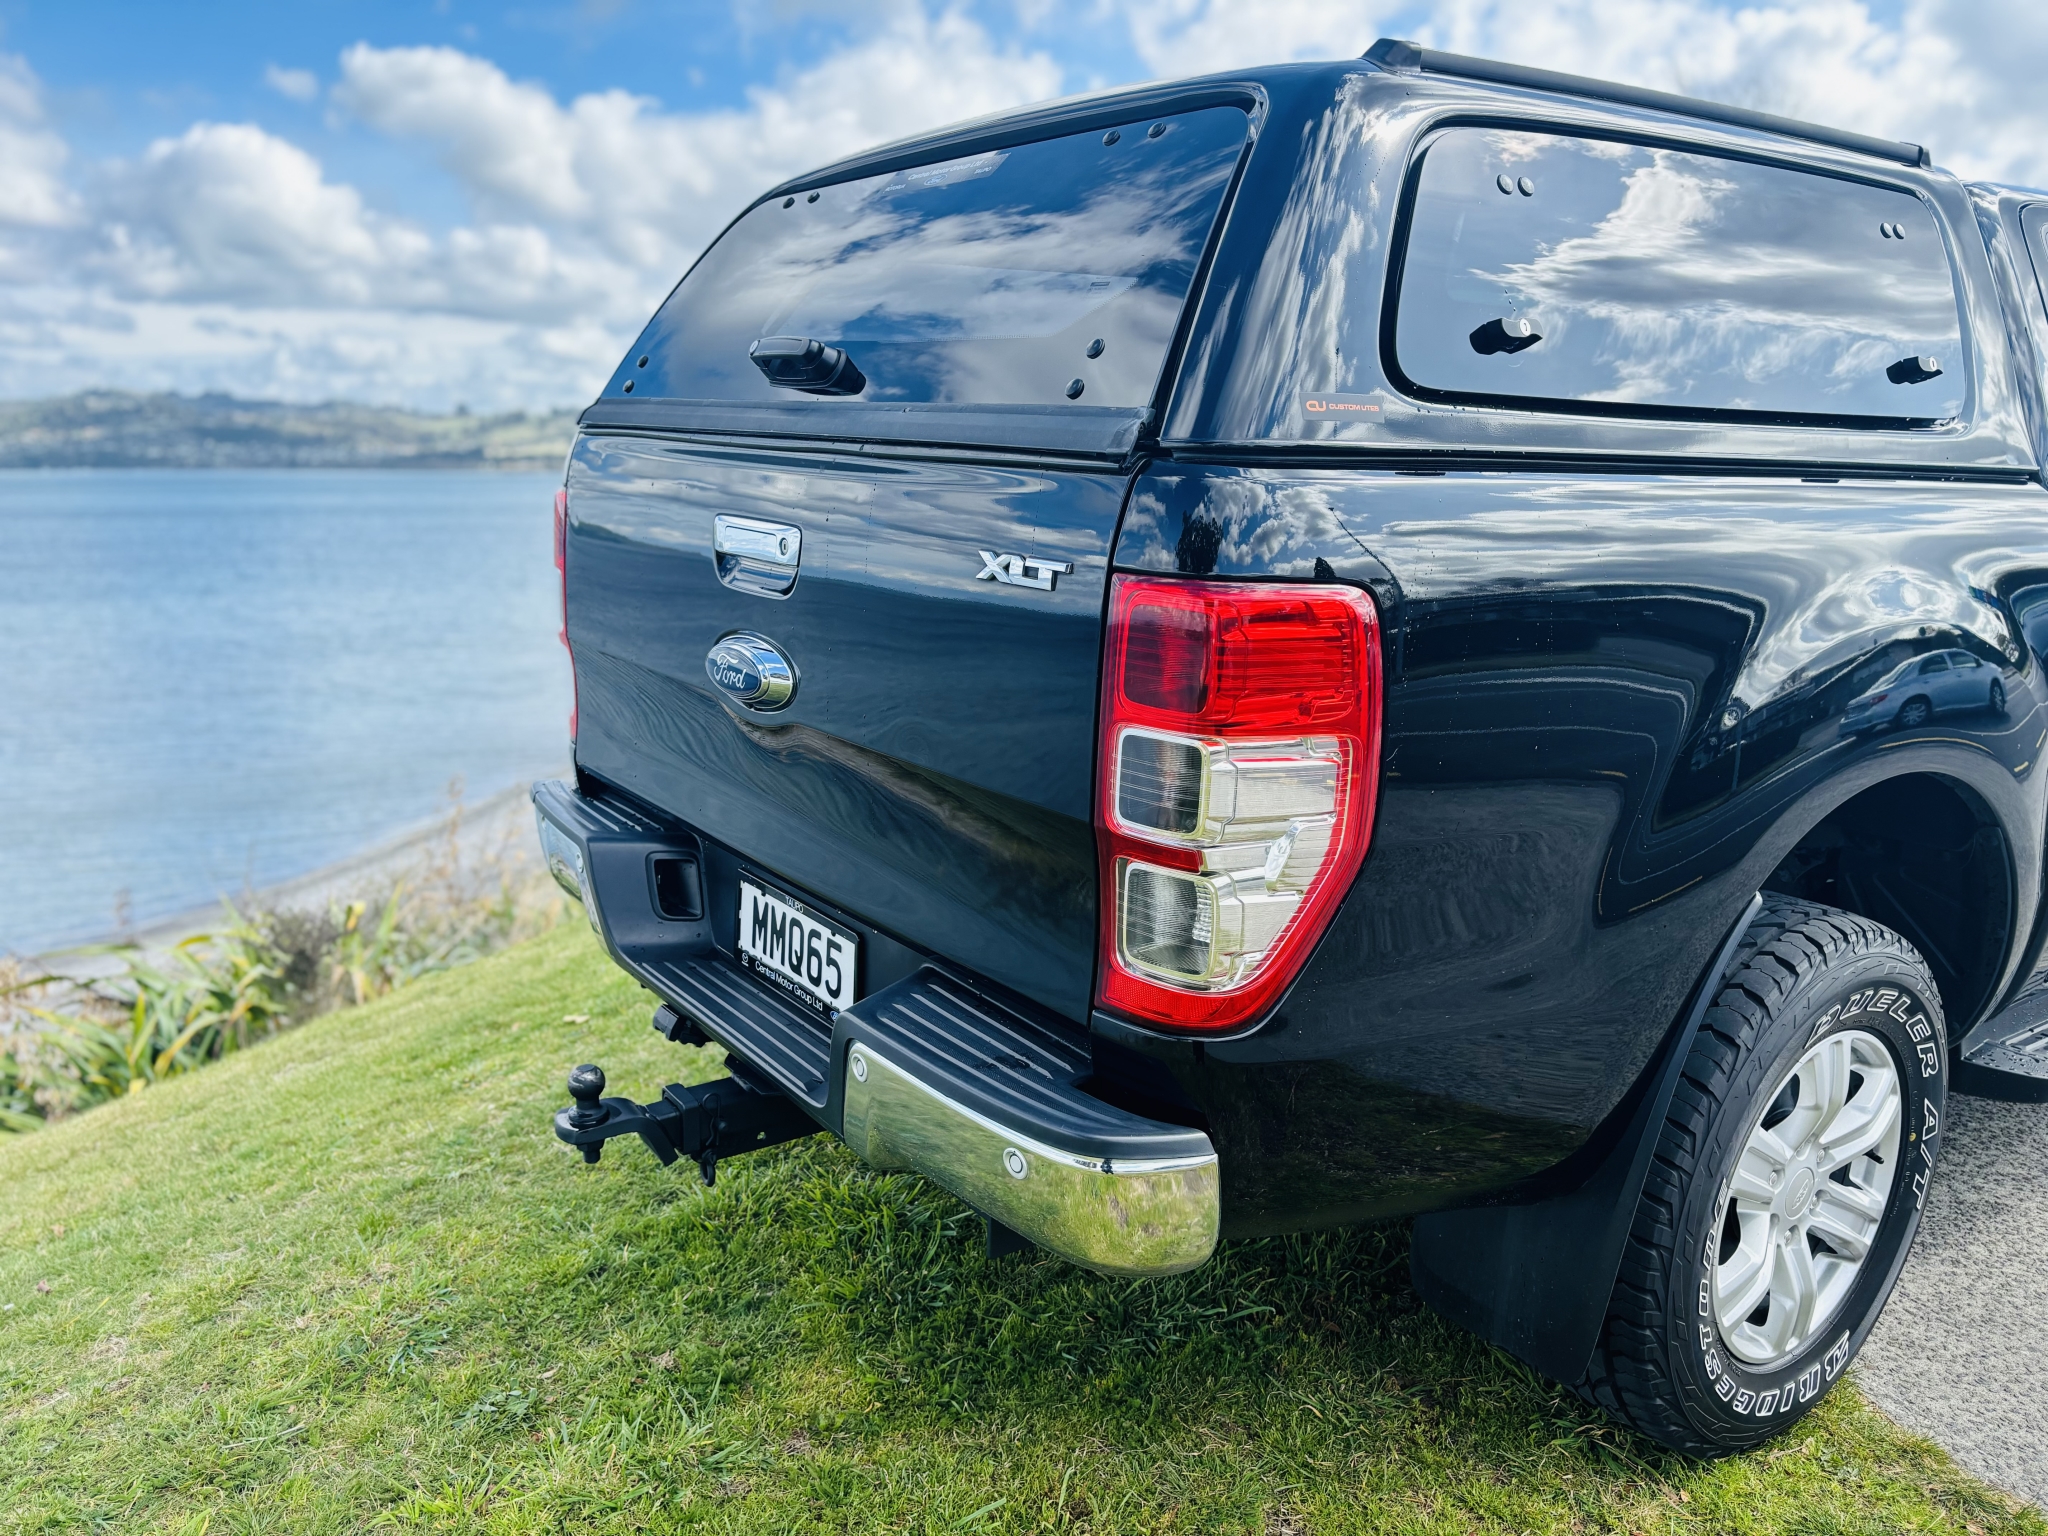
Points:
[(211, 681)]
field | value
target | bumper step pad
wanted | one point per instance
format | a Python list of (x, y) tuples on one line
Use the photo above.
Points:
[(1002, 1067), (791, 1046)]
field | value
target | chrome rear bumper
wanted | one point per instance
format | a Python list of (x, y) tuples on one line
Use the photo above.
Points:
[(927, 1073), (1139, 1216)]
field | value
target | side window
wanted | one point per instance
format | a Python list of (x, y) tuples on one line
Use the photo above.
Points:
[(1932, 665), (1593, 275), (2034, 221)]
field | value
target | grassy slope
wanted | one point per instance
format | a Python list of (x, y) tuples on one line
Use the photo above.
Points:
[(349, 1278)]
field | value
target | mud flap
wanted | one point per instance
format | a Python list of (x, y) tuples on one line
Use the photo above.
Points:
[(1535, 1278)]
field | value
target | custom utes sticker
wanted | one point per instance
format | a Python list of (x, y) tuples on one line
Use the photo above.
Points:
[(1347, 407)]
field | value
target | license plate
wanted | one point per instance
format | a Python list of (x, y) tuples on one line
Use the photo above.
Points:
[(787, 943)]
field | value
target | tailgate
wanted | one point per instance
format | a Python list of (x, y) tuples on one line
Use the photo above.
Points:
[(931, 772)]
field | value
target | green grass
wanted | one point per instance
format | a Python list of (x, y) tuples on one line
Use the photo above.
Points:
[(348, 1279)]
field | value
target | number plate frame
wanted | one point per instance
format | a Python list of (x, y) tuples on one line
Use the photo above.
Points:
[(831, 946)]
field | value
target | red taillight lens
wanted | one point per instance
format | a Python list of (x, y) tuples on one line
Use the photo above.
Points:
[(562, 581), (1239, 764)]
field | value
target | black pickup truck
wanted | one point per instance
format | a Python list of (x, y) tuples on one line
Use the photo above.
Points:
[(1403, 638)]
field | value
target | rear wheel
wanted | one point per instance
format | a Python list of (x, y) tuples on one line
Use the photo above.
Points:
[(1997, 696), (1786, 1185), (1913, 714)]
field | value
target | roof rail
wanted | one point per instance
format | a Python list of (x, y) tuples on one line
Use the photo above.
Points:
[(1406, 58)]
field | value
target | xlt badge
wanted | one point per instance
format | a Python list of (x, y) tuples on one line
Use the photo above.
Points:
[(1021, 570)]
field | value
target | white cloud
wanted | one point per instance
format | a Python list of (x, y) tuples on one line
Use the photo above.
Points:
[(653, 187), (225, 256), (227, 212), (228, 257), (1199, 37), (33, 194), (64, 340), (294, 84), (1961, 76)]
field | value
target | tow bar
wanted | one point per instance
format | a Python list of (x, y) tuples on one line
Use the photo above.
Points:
[(705, 1122)]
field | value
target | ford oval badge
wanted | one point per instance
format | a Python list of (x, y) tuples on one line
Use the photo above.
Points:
[(751, 671)]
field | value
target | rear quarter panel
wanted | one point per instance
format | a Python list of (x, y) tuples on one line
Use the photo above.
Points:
[(1613, 706)]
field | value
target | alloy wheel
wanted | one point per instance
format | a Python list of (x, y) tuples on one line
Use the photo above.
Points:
[(1806, 1198)]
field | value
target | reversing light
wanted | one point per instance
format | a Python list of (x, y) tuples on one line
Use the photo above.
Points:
[(562, 584), (1240, 761)]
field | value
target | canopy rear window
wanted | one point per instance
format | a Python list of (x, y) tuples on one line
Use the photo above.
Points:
[(1629, 279), (1037, 275)]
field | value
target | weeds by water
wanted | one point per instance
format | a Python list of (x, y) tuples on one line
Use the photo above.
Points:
[(143, 1015)]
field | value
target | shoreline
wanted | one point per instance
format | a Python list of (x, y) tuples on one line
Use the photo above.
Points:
[(498, 823)]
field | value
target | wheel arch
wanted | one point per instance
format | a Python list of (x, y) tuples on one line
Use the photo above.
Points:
[(1948, 859)]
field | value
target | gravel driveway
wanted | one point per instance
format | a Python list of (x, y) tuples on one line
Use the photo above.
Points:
[(1961, 1353)]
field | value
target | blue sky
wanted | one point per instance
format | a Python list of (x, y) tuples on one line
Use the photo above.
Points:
[(455, 200), (117, 76)]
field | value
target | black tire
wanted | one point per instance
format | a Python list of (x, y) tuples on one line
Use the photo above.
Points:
[(1997, 700), (1802, 972), (1913, 714)]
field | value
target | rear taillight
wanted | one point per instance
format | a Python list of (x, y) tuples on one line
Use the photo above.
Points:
[(1239, 762), (562, 584)]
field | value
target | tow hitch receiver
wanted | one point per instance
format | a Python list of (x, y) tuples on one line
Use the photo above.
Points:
[(705, 1122)]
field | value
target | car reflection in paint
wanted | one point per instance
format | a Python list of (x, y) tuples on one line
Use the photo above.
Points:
[(1915, 691)]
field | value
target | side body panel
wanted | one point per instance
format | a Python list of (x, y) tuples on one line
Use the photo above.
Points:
[(931, 774), (1614, 705), (2014, 235)]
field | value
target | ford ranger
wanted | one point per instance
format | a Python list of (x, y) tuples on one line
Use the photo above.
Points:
[(1412, 638)]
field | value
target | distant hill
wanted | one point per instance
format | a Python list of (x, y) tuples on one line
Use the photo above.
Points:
[(110, 429)]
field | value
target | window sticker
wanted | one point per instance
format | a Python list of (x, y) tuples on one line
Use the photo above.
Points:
[(922, 178), (1361, 408)]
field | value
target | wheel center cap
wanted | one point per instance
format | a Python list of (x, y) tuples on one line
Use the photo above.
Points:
[(1799, 1194)]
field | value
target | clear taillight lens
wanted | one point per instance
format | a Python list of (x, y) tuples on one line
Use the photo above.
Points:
[(1240, 743)]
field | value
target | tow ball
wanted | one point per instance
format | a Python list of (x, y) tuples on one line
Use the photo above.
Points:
[(704, 1122)]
